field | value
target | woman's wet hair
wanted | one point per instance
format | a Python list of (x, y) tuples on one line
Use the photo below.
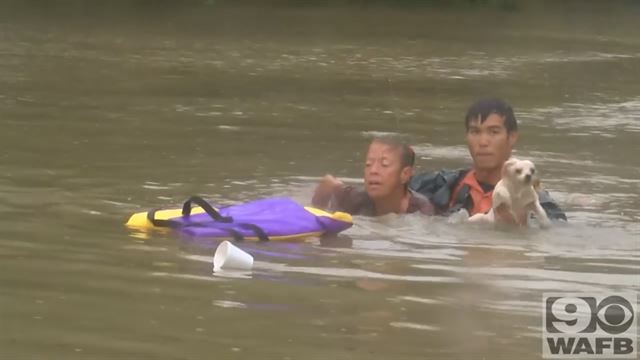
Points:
[(407, 155), (483, 108)]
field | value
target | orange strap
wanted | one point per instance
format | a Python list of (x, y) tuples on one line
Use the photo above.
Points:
[(481, 201)]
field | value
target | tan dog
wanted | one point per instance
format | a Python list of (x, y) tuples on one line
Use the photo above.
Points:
[(516, 192)]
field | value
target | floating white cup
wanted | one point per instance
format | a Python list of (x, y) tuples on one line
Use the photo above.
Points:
[(230, 257)]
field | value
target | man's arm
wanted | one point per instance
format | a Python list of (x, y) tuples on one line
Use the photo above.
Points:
[(550, 207), (437, 186)]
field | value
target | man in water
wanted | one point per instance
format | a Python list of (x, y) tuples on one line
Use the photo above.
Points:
[(387, 171), (491, 133)]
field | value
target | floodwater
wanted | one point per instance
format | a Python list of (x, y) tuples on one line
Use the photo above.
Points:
[(103, 116)]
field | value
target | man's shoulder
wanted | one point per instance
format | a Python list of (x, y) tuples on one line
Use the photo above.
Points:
[(437, 186), (429, 182), (437, 177)]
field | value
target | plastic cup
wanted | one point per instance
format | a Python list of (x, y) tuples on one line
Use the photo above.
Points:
[(229, 257)]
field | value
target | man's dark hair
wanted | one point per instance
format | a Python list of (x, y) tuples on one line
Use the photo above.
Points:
[(483, 108), (407, 155)]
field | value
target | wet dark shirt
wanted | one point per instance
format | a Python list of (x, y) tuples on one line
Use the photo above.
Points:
[(357, 202)]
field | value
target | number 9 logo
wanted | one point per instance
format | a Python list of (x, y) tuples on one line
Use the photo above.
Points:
[(570, 314)]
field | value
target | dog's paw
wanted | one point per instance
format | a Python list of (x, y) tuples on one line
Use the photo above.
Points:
[(479, 218)]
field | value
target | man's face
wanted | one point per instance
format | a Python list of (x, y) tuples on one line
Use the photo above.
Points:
[(383, 172), (489, 143)]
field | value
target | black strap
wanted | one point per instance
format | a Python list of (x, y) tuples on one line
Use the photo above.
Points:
[(261, 234), (186, 211), (215, 215), (235, 234), (151, 216)]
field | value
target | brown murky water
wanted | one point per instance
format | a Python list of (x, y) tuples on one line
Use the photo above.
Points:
[(104, 117)]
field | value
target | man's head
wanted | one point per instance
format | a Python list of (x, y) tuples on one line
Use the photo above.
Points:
[(388, 167), (492, 131)]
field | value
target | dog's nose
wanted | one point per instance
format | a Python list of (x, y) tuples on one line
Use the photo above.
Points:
[(527, 178)]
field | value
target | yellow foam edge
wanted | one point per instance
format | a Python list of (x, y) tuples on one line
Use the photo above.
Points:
[(338, 215), (140, 221)]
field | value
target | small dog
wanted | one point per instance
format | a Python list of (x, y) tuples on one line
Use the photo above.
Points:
[(517, 191)]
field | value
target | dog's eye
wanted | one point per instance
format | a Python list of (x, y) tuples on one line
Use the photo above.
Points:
[(518, 171), (533, 171)]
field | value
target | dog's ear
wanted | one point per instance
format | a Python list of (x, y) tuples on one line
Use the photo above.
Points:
[(537, 184), (508, 165)]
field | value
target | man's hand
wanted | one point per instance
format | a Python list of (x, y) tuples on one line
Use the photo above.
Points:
[(325, 190)]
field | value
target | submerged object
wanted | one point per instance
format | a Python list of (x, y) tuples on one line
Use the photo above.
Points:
[(265, 219)]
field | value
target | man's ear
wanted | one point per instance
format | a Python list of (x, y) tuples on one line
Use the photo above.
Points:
[(512, 138)]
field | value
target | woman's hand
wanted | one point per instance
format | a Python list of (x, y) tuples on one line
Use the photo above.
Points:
[(325, 190)]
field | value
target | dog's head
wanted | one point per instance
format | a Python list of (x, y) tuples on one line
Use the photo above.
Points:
[(520, 171)]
